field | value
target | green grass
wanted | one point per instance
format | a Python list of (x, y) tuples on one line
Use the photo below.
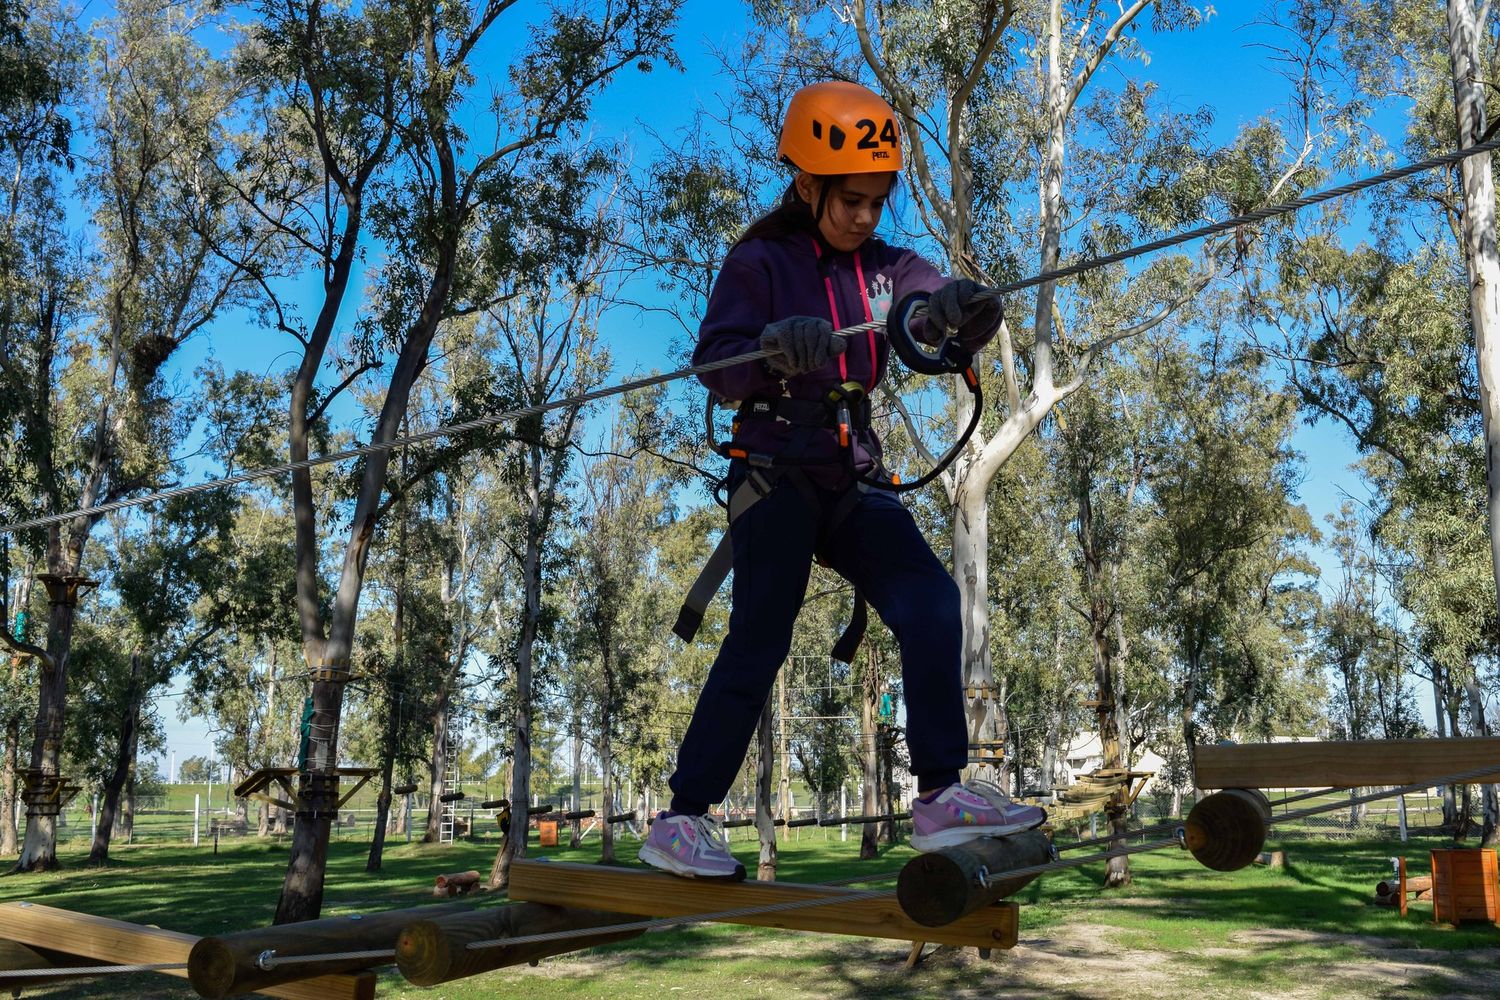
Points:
[(1306, 931)]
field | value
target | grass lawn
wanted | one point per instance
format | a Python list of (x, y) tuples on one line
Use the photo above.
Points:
[(1307, 931)]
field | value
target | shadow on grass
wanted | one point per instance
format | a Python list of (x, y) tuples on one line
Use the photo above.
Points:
[(1172, 907)]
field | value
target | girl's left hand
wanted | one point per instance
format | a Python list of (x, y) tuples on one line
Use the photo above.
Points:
[(957, 308)]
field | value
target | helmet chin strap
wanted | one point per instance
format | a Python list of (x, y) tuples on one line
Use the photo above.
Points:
[(822, 200)]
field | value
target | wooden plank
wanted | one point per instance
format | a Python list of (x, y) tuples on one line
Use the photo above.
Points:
[(654, 894), (117, 942), (1347, 764)]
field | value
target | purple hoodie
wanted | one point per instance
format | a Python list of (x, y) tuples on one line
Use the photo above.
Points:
[(763, 281)]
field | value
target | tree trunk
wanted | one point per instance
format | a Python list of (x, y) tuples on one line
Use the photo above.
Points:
[(398, 817), (1482, 259), (607, 794), (765, 825), (114, 784), (888, 782), (577, 835), (514, 845), (437, 765), (869, 845), (986, 712), (1048, 778), (382, 807), (8, 770), (1489, 835), (783, 758), (126, 822), (39, 851)]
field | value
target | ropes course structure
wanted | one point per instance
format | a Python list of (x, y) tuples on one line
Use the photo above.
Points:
[(957, 894)]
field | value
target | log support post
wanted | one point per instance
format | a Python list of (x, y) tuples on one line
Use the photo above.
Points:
[(434, 951), (232, 963), (938, 888)]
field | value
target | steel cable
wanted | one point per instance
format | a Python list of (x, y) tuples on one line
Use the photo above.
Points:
[(1080, 267), (82, 971)]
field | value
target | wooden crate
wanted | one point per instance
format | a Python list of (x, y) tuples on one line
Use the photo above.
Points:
[(1465, 886), (547, 829)]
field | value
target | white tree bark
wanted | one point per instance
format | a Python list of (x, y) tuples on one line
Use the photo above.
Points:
[(1482, 259)]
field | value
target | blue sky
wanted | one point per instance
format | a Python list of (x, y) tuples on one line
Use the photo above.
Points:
[(1221, 66)]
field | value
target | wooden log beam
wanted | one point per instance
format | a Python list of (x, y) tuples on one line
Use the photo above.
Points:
[(227, 963), (1346, 764), (100, 940), (654, 894), (429, 952), (941, 887)]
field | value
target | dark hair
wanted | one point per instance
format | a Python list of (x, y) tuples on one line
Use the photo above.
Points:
[(793, 215)]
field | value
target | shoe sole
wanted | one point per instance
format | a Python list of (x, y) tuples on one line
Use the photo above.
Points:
[(962, 835), (666, 863)]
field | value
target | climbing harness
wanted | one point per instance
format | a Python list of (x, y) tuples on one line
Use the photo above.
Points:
[(843, 414)]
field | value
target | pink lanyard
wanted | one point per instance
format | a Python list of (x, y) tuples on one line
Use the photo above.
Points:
[(833, 310)]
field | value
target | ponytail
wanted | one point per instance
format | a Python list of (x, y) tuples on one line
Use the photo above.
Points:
[(791, 215)]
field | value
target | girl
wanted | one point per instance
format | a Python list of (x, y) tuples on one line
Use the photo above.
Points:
[(809, 267)]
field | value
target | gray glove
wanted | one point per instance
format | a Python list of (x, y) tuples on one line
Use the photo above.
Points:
[(802, 343), (956, 309)]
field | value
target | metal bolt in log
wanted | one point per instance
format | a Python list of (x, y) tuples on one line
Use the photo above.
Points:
[(429, 952), (1226, 831), (937, 888), (227, 964)]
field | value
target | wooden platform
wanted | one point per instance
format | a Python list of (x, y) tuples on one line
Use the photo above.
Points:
[(1091, 792), (652, 894), (258, 783), (1348, 764), (116, 942)]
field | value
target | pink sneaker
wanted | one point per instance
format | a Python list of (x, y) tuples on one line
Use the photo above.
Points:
[(692, 846), (962, 813)]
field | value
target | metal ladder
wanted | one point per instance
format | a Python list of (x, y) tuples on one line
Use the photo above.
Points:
[(452, 776)]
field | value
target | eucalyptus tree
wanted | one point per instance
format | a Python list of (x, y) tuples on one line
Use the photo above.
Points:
[(1228, 579), (37, 282), (624, 498), (168, 615), (1102, 466), (450, 213), (1404, 359), (98, 419), (548, 335)]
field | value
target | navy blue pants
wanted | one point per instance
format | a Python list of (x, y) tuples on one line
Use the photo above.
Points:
[(878, 548)]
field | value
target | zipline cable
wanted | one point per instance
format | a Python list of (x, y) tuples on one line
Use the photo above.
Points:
[(1080, 267)]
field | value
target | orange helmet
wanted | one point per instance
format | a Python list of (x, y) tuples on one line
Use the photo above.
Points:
[(840, 128)]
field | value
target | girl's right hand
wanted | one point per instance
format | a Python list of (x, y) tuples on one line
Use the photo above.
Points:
[(802, 344)]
